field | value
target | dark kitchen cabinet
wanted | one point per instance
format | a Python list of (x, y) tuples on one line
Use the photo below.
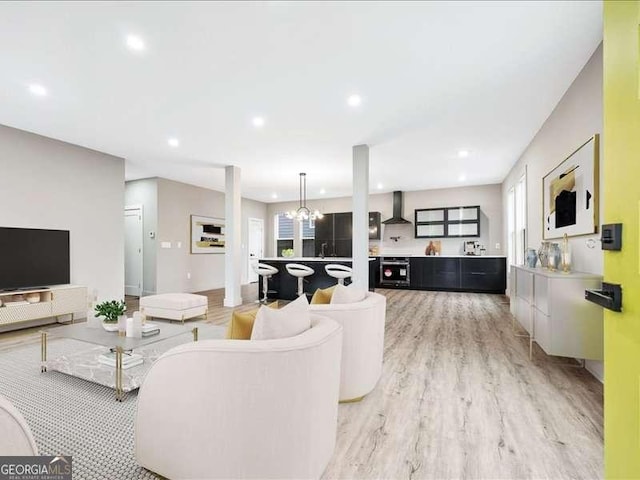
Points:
[(342, 226), (459, 274), (375, 225), (484, 275), (420, 272), (336, 230), (324, 235), (446, 273)]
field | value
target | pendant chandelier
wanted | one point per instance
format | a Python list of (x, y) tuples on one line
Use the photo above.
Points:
[(303, 212)]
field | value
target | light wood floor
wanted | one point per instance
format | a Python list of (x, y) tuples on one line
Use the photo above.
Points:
[(458, 398)]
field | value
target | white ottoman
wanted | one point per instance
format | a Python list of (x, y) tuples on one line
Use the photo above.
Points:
[(175, 306)]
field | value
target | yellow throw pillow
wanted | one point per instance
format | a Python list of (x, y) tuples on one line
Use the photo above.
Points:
[(241, 324), (322, 296)]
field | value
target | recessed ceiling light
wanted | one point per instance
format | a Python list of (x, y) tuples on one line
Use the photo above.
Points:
[(135, 43), (37, 89), (354, 100), (274, 195), (173, 142), (379, 186), (462, 177), (463, 153), (322, 191), (258, 122)]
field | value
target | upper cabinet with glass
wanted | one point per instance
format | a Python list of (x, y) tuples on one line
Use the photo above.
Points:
[(447, 222)]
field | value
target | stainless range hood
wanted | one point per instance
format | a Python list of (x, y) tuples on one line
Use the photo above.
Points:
[(397, 211)]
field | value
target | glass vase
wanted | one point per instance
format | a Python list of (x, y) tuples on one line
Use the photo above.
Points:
[(566, 255), (555, 257), (543, 254)]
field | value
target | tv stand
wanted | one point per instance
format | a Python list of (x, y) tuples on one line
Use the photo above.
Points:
[(42, 302)]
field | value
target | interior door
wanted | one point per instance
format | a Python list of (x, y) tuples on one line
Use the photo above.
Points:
[(622, 205), (133, 251), (255, 246)]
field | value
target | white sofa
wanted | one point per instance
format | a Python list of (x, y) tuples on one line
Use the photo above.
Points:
[(15, 436), (242, 409), (362, 344)]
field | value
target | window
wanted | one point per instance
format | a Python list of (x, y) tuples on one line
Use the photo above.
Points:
[(284, 230), (517, 222), (283, 233), (308, 238)]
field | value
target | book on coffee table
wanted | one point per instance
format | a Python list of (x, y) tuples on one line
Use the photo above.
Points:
[(149, 329), (128, 360)]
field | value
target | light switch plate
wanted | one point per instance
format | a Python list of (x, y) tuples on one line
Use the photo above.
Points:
[(179, 245), (165, 244), (497, 246)]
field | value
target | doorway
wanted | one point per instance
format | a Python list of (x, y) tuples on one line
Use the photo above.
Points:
[(255, 247), (133, 264)]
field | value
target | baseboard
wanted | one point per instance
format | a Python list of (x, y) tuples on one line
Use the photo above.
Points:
[(596, 369)]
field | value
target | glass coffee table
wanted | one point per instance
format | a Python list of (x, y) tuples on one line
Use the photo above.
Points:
[(81, 357)]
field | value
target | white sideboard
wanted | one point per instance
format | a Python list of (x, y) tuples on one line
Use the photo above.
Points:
[(52, 302), (551, 307)]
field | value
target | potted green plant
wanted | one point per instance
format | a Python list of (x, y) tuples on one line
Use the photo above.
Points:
[(110, 311)]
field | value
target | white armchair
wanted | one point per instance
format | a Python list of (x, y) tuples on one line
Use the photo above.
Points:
[(242, 409), (15, 436), (362, 343)]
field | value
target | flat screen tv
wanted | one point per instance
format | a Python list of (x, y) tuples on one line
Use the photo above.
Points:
[(32, 257)]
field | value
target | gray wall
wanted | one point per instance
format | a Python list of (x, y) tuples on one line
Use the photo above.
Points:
[(145, 193), (577, 117), (487, 196), (168, 206), (51, 184)]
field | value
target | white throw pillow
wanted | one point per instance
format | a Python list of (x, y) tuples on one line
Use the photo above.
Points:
[(351, 294), (286, 322)]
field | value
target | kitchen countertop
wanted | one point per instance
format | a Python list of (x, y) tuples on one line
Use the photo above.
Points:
[(371, 257), (439, 256), (310, 259)]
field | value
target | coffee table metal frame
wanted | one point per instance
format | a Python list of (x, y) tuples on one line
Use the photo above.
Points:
[(117, 343)]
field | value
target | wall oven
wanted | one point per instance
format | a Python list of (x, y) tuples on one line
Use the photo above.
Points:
[(394, 271)]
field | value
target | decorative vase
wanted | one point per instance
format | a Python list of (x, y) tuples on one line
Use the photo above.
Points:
[(532, 257), (555, 257), (543, 254), (566, 255)]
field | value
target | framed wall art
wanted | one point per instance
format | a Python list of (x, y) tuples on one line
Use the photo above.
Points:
[(570, 194), (207, 234)]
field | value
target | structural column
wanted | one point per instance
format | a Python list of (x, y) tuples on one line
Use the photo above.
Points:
[(233, 232), (361, 215)]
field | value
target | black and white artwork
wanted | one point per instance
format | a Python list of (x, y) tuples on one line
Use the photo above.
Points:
[(570, 194)]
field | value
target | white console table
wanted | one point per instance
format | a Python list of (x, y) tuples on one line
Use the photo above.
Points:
[(52, 302), (551, 307)]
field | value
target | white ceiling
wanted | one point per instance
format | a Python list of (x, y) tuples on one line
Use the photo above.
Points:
[(435, 78)]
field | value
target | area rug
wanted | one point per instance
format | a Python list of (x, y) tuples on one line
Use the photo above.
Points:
[(71, 416)]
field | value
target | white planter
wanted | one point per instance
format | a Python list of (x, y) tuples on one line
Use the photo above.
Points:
[(110, 327)]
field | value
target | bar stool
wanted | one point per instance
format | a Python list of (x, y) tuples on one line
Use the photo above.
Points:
[(338, 271), (300, 271), (266, 272)]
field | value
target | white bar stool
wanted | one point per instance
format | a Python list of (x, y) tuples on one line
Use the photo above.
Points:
[(266, 272), (300, 271), (338, 271)]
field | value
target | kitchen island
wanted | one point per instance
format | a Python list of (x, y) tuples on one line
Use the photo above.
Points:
[(285, 286)]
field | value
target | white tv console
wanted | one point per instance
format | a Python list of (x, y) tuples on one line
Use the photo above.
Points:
[(49, 302)]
